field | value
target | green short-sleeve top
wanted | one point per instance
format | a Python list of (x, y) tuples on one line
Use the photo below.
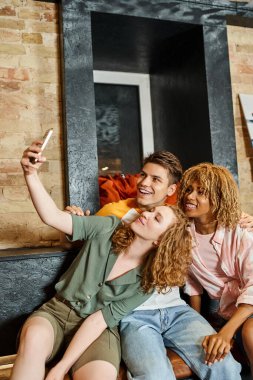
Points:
[(84, 284)]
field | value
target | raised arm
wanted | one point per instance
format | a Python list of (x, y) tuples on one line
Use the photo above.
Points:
[(44, 204), (90, 330)]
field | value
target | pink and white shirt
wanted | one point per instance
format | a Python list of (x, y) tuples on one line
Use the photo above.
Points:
[(234, 248)]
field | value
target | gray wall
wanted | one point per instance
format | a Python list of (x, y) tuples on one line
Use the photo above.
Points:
[(27, 279)]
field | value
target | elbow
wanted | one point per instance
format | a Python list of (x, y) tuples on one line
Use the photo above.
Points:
[(47, 219), (52, 218)]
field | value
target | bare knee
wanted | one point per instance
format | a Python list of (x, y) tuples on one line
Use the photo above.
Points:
[(37, 337)]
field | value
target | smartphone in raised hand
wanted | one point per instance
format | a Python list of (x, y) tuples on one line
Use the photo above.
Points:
[(45, 139)]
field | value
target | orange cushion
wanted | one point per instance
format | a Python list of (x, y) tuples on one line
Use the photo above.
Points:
[(117, 187)]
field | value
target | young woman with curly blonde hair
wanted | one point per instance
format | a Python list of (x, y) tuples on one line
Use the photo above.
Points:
[(222, 256), (114, 272), (161, 269)]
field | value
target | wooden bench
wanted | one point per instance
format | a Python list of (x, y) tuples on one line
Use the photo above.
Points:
[(6, 363), (182, 371)]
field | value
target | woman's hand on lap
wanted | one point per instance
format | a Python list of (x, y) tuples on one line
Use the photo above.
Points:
[(216, 347)]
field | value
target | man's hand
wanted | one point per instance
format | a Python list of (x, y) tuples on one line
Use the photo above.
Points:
[(34, 151), (246, 221), (216, 347), (77, 210)]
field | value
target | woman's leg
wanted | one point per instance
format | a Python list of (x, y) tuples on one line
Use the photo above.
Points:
[(96, 370), (247, 338), (143, 348), (185, 336), (101, 360), (35, 346)]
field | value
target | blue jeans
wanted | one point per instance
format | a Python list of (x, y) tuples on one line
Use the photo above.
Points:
[(146, 333)]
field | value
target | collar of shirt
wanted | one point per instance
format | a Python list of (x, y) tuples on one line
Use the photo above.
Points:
[(125, 279), (216, 240)]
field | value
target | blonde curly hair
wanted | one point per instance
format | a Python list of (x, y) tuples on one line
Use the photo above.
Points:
[(219, 186), (167, 265)]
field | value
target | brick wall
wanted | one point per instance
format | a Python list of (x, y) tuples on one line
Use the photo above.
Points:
[(240, 41), (31, 103)]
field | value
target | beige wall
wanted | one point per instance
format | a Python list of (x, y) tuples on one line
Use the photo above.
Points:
[(240, 42), (31, 103)]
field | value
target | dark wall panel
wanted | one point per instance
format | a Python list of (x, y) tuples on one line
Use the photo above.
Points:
[(26, 281), (179, 99), (127, 43), (220, 97), (79, 110)]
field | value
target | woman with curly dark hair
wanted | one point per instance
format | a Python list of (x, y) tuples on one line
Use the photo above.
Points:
[(222, 256), (116, 270)]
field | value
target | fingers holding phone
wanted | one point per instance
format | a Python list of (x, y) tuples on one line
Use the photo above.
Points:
[(32, 157), (42, 144)]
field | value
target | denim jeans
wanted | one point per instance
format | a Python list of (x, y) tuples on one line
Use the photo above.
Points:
[(146, 333)]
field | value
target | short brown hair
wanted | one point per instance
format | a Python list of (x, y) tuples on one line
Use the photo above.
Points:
[(169, 162)]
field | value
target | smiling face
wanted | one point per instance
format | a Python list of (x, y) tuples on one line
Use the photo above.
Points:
[(153, 186), (152, 224), (196, 203)]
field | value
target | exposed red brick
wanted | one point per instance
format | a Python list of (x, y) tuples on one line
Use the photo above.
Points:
[(9, 85), (245, 69), (18, 74), (43, 5), (49, 16), (7, 11)]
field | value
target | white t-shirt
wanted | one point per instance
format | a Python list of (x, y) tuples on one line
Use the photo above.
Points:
[(161, 300)]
